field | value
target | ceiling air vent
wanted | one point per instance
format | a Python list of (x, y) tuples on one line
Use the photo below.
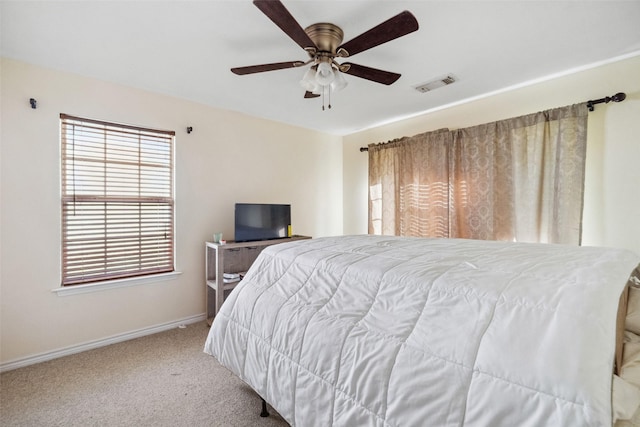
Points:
[(435, 84)]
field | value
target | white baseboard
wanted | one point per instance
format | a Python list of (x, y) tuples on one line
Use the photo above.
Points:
[(50, 355)]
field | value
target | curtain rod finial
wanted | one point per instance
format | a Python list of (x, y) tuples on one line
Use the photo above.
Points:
[(618, 97)]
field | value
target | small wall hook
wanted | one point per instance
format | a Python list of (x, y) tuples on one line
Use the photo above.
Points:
[(32, 101), (189, 129)]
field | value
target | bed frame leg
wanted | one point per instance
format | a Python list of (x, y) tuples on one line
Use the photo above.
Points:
[(264, 412)]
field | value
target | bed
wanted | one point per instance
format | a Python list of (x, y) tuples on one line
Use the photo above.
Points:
[(392, 331)]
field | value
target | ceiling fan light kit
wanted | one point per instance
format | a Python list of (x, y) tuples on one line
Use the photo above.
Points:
[(308, 81), (339, 82), (323, 43), (324, 74)]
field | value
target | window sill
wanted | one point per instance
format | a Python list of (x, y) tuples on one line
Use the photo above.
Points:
[(113, 284)]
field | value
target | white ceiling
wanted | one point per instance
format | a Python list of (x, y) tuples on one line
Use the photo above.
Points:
[(186, 48)]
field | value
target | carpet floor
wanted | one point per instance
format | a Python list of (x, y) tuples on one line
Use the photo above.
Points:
[(163, 379)]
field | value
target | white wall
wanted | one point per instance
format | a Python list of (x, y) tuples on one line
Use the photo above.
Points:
[(228, 158), (612, 194)]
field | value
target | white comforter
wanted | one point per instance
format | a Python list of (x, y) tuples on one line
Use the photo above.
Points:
[(389, 331)]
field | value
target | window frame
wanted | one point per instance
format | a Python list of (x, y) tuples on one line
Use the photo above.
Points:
[(145, 215)]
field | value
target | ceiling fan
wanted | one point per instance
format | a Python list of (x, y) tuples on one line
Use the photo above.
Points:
[(323, 44)]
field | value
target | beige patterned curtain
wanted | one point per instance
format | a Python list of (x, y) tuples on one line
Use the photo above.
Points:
[(409, 186), (519, 179)]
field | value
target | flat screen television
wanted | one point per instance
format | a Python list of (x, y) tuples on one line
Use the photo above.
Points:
[(254, 221)]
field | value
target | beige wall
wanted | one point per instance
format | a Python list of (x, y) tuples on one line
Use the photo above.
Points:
[(232, 158), (612, 195), (228, 158)]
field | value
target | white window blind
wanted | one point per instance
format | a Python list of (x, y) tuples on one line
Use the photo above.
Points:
[(117, 201)]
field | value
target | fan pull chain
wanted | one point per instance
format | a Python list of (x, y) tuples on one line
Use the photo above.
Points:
[(328, 90)]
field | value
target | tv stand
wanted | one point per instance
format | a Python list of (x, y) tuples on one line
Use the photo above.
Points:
[(231, 258)]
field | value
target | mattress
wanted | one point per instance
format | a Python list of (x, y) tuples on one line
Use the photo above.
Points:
[(390, 331)]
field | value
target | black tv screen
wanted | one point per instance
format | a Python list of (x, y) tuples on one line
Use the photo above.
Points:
[(254, 221)]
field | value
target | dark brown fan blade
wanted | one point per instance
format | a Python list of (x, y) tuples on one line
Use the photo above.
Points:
[(373, 74), (265, 67), (308, 94), (280, 16), (398, 26)]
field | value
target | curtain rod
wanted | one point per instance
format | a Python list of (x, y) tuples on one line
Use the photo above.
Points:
[(618, 97)]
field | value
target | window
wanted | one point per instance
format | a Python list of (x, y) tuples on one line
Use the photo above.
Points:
[(117, 201)]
